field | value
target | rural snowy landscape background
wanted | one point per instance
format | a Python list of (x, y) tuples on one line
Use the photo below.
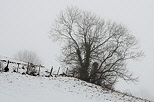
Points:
[(25, 25)]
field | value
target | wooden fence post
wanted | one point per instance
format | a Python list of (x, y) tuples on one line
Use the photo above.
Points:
[(18, 66), (27, 68), (73, 73), (39, 70), (0, 66), (66, 71)]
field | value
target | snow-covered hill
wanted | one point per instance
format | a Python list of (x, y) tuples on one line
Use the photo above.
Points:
[(15, 87)]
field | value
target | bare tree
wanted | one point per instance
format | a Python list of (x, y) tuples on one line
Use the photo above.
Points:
[(28, 56), (91, 40)]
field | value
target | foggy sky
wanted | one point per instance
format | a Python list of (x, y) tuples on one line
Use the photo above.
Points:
[(25, 25)]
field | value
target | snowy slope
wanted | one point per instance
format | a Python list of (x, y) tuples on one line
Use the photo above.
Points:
[(15, 87)]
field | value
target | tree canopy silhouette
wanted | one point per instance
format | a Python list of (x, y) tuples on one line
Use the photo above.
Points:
[(97, 50)]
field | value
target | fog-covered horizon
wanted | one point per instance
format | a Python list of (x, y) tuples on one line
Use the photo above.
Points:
[(25, 25)]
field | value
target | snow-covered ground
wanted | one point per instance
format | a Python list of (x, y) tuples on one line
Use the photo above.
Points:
[(15, 87)]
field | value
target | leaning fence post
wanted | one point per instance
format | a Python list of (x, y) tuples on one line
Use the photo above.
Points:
[(51, 71), (58, 70)]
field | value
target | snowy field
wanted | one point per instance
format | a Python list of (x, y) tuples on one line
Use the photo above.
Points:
[(15, 87)]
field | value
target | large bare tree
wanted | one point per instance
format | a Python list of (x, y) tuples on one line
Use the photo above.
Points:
[(96, 49)]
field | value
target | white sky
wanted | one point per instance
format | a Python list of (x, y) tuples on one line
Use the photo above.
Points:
[(25, 24)]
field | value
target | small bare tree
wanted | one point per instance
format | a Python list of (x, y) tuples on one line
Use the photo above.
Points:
[(95, 48), (28, 56)]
